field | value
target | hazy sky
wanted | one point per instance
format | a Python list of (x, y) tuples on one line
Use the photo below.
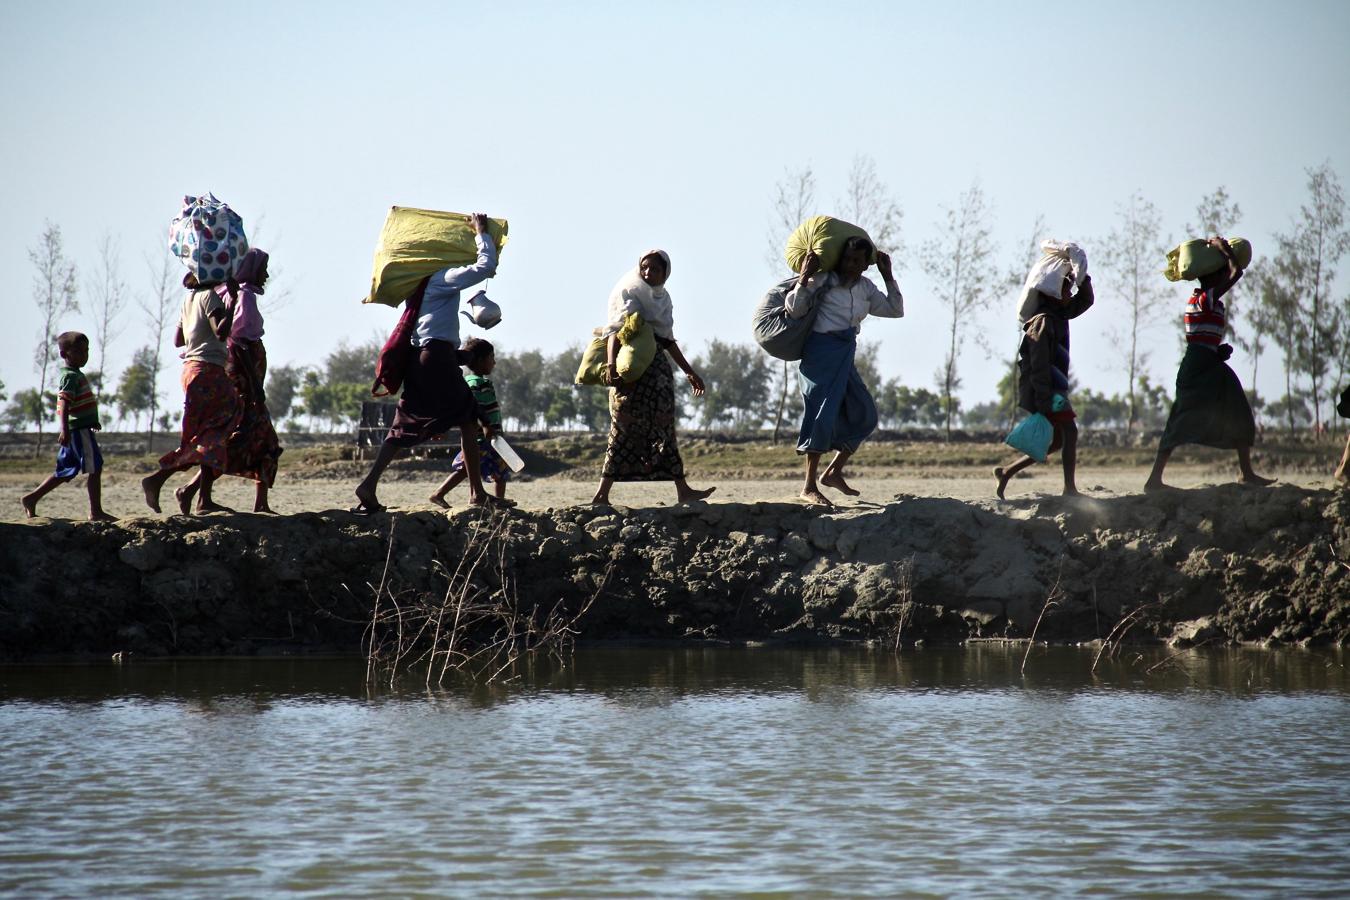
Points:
[(602, 129)]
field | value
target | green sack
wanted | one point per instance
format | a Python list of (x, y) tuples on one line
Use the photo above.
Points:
[(1190, 260), (637, 349), (825, 236), (416, 243)]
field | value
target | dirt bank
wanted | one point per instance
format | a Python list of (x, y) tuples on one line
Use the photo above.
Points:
[(1215, 564)]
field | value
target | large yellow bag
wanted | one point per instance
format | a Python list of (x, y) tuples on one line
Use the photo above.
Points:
[(1190, 260), (825, 236), (637, 349), (416, 243)]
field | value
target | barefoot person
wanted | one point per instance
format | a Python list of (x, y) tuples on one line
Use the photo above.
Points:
[(1211, 408), (435, 396), (481, 359), (253, 448), (642, 444), (77, 410), (1048, 303), (211, 408), (839, 411)]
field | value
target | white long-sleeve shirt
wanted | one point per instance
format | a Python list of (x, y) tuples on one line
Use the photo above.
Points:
[(842, 307), (439, 319)]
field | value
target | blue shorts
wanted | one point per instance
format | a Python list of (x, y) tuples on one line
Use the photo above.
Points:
[(81, 456)]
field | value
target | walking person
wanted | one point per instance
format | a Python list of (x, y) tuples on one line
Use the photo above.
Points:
[(839, 411), (1211, 408), (77, 411), (435, 395), (211, 407), (481, 359), (642, 443), (253, 449), (1049, 301)]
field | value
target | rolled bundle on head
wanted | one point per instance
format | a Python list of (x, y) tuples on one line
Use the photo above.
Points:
[(1195, 259), (1058, 259), (824, 236)]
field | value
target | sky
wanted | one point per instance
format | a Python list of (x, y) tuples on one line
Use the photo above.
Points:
[(602, 129)]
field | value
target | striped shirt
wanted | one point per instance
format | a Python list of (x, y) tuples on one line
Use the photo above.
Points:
[(489, 412), (1205, 319), (78, 396)]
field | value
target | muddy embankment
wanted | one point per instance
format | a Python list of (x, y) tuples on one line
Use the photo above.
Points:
[(1215, 565)]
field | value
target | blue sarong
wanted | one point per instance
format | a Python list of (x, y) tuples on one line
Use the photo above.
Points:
[(840, 412)]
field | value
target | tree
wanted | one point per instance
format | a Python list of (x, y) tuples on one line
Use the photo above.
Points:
[(1131, 253), (135, 392), (737, 378), (159, 307), (957, 261), (794, 199), (868, 203), (54, 289), (108, 295), (29, 406), (283, 383)]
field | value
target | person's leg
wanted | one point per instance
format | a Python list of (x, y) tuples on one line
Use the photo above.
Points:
[(1155, 482), (1070, 456), (260, 498), (204, 501), (601, 497), (153, 483), (1004, 474), (96, 512), (811, 491), (185, 493), (1342, 473), (438, 496), (468, 445), (366, 490), (30, 500), (833, 476), (686, 494), (1246, 473)]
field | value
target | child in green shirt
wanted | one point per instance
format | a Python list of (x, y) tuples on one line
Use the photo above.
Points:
[(481, 359), (77, 409)]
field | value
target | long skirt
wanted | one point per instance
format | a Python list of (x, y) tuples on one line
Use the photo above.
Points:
[(1211, 408), (642, 444), (253, 449), (839, 411), (211, 413), (435, 397)]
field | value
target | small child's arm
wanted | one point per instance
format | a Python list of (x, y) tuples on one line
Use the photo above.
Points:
[(63, 414)]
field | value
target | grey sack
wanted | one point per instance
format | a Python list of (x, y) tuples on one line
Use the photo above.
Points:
[(779, 336)]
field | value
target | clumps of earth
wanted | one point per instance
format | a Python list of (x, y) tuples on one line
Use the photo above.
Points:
[(1210, 566)]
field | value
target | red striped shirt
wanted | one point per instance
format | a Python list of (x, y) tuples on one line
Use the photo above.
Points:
[(1205, 319)]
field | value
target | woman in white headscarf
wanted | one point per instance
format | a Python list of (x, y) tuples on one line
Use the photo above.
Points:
[(642, 443)]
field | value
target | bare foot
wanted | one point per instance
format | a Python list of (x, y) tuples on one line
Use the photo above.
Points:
[(102, 516), (836, 481), (439, 500), (367, 499), (184, 495), (151, 484), (815, 497), (29, 506), (1154, 486), (1070, 492), (1255, 480), (264, 508), (690, 495), (1002, 477), (600, 500)]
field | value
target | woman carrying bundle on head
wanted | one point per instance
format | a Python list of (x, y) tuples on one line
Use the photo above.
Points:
[(839, 411), (642, 444), (1211, 408)]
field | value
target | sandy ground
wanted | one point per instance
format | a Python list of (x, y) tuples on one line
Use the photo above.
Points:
[(122, 492)]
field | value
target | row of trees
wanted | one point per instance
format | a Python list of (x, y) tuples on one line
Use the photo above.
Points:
[(1287, 294)]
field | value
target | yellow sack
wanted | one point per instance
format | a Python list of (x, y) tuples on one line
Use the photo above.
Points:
[(825, 236), (1190, 260), (416, 243), (637, 349)]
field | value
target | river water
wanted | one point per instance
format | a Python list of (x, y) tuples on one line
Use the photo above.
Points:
[(687, 771)]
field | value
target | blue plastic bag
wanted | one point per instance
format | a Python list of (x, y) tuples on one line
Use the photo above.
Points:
[(1032, 436)]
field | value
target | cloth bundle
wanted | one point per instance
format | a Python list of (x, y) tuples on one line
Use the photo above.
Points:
[(415, 243), (208, 237), (1194, 259), (825, 236), (637, 349), (1058, 258), (777, 333)]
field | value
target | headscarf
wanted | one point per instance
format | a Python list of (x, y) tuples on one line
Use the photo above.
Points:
[(633, 295), (249, 267), (1058, 259)]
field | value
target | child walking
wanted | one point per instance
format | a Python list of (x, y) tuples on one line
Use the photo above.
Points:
[(481, 359), (77, 409)]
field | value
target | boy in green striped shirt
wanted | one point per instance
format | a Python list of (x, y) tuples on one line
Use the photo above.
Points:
[(481, 359), (77, 409)]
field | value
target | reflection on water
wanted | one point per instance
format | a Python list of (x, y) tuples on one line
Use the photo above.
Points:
[(684, 771)]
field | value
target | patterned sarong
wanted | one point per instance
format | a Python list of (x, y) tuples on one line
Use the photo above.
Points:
[(211, 413), (642, 444), (253, 448)]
